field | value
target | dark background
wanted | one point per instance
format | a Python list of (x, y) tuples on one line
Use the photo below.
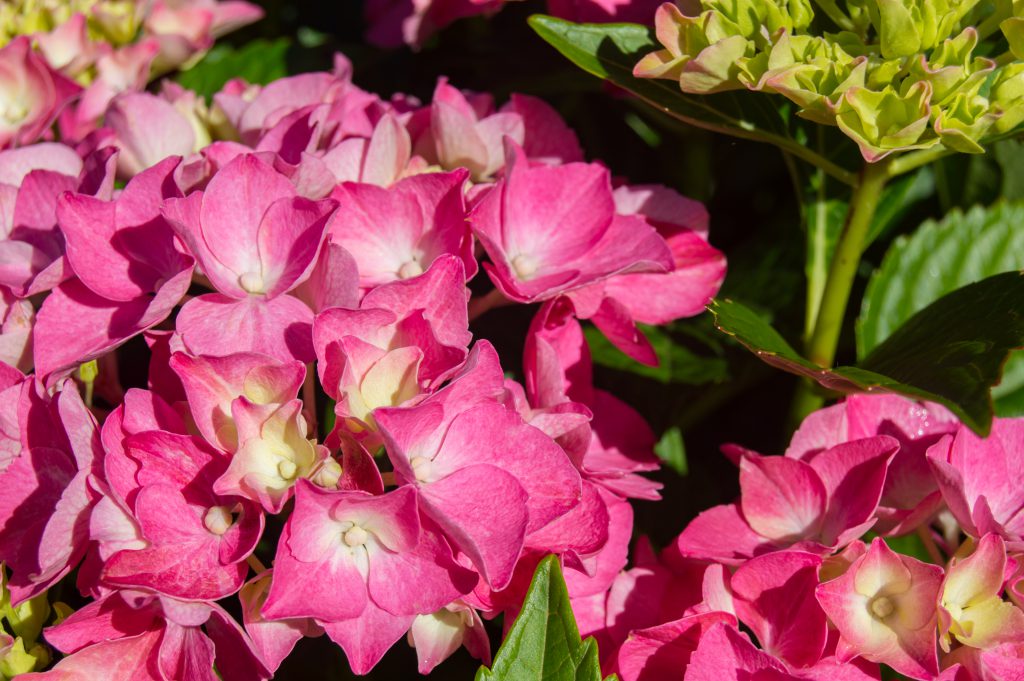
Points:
[(755, 219)]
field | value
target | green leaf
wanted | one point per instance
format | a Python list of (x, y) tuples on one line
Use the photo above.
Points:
[(258, 62), (951, 352), (676, 364), (544, 643), (609, 51), (939, 257), (672, 451)]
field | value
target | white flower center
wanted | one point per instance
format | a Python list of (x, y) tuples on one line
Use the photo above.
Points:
[(881, 607), (252, 282), (410, 269), (355, 536), (218, 519), (524, 266)]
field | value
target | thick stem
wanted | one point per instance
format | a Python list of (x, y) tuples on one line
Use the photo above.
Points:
[(822, 347), (822, 344)]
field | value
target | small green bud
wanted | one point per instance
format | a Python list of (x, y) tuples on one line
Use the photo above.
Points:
[(883, 122)]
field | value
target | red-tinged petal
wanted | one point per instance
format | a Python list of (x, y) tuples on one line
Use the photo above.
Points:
[(782, 499), (721, 533), (483, 509), (281, 328), (663, 651), (774, 596)]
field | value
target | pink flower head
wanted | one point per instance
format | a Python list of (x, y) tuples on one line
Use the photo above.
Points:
[(213, 384), (44, 511), (363, 566), (131, 271), (546, 138), (397, 233), (616, 304), (884, 609), (31, 181), (126, 68), (279, 102), (910, 495), (255, 240), (406, 338), (32, 93), (382, 159), (605, 11), (486, 477), (196, 541), (816, 506), (274, 452), (665, 650), (971, 608), (67, 48), (549, 230), (468, 133), (148, 129), (978, 479), (128, 637)]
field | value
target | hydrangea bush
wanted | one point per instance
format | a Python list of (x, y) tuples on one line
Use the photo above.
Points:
[(324, 440)]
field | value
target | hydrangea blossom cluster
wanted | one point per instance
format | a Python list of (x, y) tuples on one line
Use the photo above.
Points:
[(317, 235), (896, 76), (797, 578), (65, 61)]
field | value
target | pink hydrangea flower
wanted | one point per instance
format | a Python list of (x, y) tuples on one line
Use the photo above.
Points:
[(817, 506), (363, 566), (32, 92), (884, 609), (397, 233), (255, 240), (978, 479), (131, 271), (549, 230)]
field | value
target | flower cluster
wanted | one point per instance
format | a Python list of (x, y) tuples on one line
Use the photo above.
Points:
[(897, 76), (792, 562), (312, 238), (65, 61)]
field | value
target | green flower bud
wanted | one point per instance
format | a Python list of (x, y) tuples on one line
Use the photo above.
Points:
[(951, 69), (700, 65), (14, 660), (1007, 96), (965, 121), (883, 122), (908, 27)]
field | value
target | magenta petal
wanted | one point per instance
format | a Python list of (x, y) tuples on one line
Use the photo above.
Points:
[(465, 504), (123, 659), (281, 328), (663, 651), (366, 638), (720, 533), (853, 474), (76, 325), (782, 499), (726, 654), (419, 581), (774, 596), (289, 240)]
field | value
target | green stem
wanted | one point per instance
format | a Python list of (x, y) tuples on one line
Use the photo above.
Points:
[(821, 347)]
